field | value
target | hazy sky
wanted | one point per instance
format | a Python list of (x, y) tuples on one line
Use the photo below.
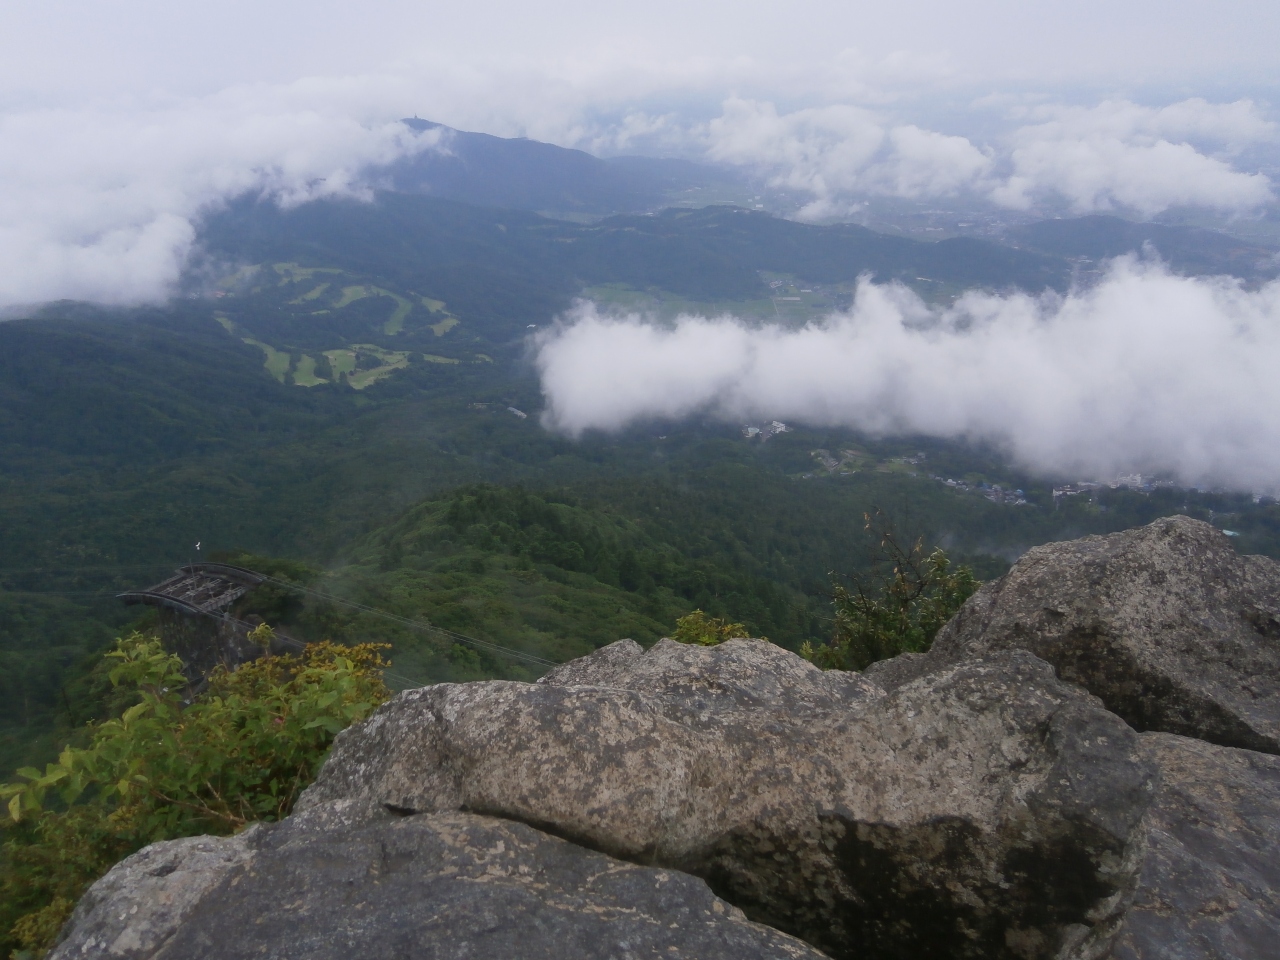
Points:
[(78, 48)]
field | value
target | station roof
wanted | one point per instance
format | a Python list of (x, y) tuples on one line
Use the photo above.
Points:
[(198, 589)]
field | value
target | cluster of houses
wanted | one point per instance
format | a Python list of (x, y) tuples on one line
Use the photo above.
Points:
[(828, 462), (765, 432), (994, 492), (485, 406), (991, 491), (1133, 481), (849, 461)]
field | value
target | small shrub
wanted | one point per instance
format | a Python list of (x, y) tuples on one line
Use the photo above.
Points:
[(697, 628), (884, 614)]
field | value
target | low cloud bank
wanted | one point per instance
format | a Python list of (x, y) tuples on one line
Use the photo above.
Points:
[(1114, 156), (1146, 371), (101, 203), (1119, 155), (842, 153)]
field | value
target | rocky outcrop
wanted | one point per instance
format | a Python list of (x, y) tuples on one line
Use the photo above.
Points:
[(1166, 624), (450, 886), (740, 680), (134, 910), (1206, 879), (977, 801), (984, 811)]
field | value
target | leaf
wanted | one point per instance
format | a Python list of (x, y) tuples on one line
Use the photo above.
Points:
[(331, 724), (15, 807), (53, 776), (71, 792), (137, 710)]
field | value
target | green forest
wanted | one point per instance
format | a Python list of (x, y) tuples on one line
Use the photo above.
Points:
[(342, 397)]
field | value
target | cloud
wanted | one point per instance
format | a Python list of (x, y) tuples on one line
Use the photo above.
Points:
[(1122, 155), (1233, 125), (100, 203), (923, 163), (841, 153), (1145, 371), (1114, 156)]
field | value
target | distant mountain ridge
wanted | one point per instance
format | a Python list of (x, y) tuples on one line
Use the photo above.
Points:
[(482, 170), (473, 257), (1190, 250), (523, 174)]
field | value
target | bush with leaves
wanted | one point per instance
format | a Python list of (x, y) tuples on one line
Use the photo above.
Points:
[(883, 614), (702, 630), (165, 768)]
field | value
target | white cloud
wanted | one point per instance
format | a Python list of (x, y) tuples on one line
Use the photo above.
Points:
[(1146, 371), (1114, 156), (840, 153), (99, 203), (1122, 155), (1196, 120), (923, 163), (819, 149)]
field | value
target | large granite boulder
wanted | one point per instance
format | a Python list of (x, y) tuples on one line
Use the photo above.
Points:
[(448, 886), (1206, 881), (1166, 624), (988, 810)]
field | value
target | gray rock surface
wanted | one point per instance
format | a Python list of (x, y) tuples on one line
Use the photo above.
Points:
[(134, 909), (743, 679), (1166, 624), (1207, 881), (449, 886), (985, 811)]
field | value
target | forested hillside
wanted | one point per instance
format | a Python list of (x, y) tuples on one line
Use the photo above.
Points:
[(344, 389), (530, 175), (515, 265)]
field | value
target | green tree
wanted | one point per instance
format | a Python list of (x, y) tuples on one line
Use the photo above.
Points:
[(166, 768), (898, 608)]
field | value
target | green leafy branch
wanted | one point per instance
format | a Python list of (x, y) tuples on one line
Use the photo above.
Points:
[(883, 614)]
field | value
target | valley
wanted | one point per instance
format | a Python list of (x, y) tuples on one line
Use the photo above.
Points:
[(352, 397)]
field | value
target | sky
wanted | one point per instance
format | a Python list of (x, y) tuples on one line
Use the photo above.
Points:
[(77, 47), (123, 122)]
